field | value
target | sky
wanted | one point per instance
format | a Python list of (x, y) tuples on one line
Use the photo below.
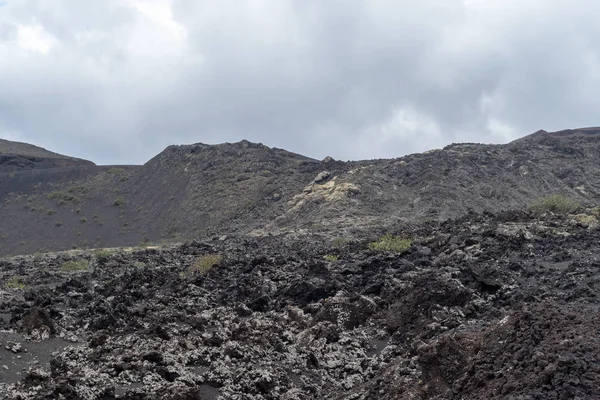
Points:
[(117, 81)]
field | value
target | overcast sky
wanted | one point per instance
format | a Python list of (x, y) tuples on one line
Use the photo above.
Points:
[(116, 81)]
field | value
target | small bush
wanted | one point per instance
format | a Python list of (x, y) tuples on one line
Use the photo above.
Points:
[(557, 204), (116, 171), (14, 282), (83, 220), (331, 258), (81, 265), (63, 197), (78, 189), (102, 255), (203, 263), (119, 201), (396, 244), (50, 212)]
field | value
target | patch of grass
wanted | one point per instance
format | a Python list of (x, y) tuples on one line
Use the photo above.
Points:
[(331, 258), (119, 201), (81, 265), (392, 243), (63, 197), (203, 264), (15, 282), (557, 204), (115, 171), (83, 220), (58, 224)]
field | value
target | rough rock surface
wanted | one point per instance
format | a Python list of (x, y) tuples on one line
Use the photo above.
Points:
[(488, 306)]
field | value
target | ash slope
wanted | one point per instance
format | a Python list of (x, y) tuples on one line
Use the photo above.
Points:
[(16, 156), (202, 190), (484, 307)]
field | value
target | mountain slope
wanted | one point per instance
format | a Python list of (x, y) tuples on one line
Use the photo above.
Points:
[(16, 156), (244, 188)]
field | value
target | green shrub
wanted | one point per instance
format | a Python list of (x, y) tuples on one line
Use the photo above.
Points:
[(15, 282), (102, 255), (204, 263), (78, 189), (396, 244), (557, 204), (115, 171), (119, 201), (81, 265), (63, 197), (331, 258)]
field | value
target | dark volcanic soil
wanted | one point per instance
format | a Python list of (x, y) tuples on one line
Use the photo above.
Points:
[(484, 307)]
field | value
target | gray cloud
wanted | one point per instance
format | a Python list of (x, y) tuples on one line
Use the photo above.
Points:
[(118, 81)]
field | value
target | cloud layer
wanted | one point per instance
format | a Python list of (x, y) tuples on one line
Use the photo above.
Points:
[(116, 81)]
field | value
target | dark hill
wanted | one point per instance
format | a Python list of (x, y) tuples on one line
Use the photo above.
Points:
[(16, 156), (245, 188)]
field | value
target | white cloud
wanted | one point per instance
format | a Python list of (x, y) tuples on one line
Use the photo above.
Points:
[(35, 38)]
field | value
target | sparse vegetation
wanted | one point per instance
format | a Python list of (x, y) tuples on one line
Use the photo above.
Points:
[(392, 243), (119, 201), (203, 264), (557, 204), (81, 265), (115, 171), (83, 220), (331, 258), (51, 212), (15, 282), (58, 224)]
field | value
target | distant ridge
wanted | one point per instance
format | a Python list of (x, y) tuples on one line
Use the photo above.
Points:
[(17, 156)]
